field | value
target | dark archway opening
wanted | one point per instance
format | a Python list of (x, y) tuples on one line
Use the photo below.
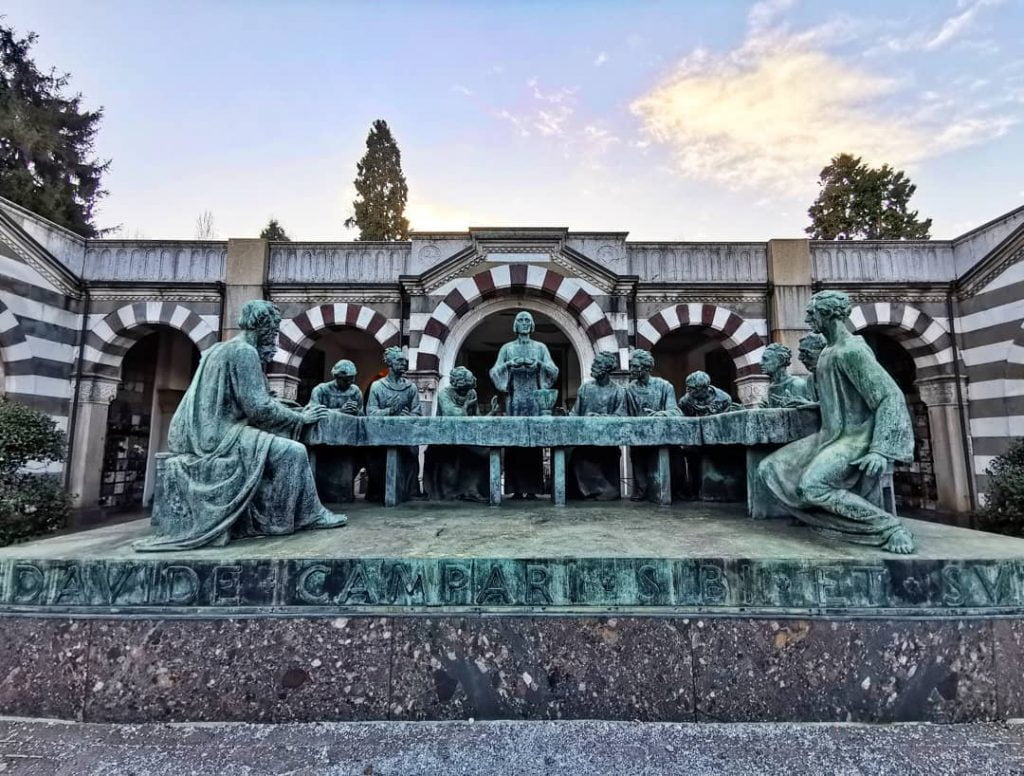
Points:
[(914, 482), (692, 348), (334, 344), (480, 349), (155, 374)]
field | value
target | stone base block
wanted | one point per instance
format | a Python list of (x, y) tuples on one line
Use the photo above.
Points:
[(427, 667)]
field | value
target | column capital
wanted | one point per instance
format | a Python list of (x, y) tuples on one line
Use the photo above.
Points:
[(284, 386), (752, 389), (941, 391), (98, 390)]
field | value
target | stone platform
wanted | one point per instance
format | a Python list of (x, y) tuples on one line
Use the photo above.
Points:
[(439, 611)]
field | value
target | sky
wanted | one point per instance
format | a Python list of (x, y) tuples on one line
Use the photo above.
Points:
[(667, 120)]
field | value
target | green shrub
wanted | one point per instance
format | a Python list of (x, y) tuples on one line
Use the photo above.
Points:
[(1004, 506), (30, 503)]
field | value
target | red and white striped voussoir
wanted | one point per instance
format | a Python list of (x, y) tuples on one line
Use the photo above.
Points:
[(299, 333), (742, 342), (927, 340), (469, 292), (110, 337)]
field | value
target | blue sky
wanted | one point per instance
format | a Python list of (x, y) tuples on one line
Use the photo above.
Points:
[(669, 120)]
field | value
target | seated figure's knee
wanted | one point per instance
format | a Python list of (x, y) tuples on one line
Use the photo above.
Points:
[(812, 490)]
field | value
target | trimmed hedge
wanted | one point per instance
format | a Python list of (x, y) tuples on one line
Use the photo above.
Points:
[(30, 503), (1004, 506)]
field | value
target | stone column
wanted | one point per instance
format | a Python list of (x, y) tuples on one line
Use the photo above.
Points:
[(284, 386), (752, 389), (945, 423), (789, 271), (244, 275), (86, 465)]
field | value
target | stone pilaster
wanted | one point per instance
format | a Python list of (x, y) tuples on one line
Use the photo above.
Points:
[(950, 464), (90, 433), (244, 275), (789, 271)]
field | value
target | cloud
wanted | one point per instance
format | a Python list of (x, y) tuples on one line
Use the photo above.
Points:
[(951, 28), (464, 90), (600, 59), (772, 112)]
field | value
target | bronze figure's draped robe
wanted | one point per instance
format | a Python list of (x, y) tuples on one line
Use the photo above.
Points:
[(236, 469), (335, 468), (524, 467), (593, 472), (383, 395), (453, 472), (791, 388), (862, 411), (656, 396)]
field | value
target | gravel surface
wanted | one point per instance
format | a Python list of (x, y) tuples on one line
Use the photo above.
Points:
[(580, 747)]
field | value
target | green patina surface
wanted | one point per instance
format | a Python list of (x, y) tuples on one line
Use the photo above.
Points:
[(593, 557)]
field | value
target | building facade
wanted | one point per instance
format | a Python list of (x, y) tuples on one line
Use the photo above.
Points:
[(104, 335)]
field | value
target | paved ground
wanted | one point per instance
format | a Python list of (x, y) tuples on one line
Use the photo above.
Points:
[(451, 748)]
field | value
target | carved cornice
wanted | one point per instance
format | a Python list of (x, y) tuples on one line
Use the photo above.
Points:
[(976, 283), (38, 259)]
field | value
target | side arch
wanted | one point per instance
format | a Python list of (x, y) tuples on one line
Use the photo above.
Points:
[(925, 339), (299, 333), (741, 340), (111, 337), (506, 280)]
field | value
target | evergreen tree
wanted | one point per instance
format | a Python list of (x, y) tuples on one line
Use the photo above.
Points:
[(380, 185), (274, 231), (46, 140), (861, 202)]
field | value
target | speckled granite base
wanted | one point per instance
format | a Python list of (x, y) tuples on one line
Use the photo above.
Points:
[(282, 669)]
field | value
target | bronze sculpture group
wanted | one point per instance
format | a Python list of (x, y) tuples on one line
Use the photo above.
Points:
[(237, 468)]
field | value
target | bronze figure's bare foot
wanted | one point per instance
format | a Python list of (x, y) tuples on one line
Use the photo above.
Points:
[(901, 542), (330, 520)]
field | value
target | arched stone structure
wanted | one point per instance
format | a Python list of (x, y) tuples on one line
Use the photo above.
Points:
[(925, 339), (741, 340), (463, 327), (505, 280), (112, 336), (299, 333)]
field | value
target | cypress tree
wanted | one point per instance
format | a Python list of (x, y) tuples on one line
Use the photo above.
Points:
[(46, 140), (274, 231), (380, 185)]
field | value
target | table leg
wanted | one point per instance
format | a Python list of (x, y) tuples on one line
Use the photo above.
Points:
[(495, 480), (664, 476), (558, 476), (391, 478)]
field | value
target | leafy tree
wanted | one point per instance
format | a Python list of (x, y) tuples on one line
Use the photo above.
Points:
[(46, 140), (1004, 505), (30, 503), (381, 188), (274, 231), (861, 202)]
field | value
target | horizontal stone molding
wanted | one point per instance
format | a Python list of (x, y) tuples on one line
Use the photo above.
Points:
[(698, 262), (171, 261), (357, 262), (897, 261)]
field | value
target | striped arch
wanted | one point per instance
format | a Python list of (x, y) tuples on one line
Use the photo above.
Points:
[(742, 342), (13, 345), (512, 279), (299, 333), (110, 338), (926, 340)]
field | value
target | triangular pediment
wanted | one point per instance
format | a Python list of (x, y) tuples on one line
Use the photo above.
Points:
[(1009, 252), (37, 260), (488, 247)]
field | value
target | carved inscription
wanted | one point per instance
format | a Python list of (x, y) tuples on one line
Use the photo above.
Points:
[(696, 584)]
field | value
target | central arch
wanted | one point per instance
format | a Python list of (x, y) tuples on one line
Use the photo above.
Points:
[(465, 325), (511, 282)]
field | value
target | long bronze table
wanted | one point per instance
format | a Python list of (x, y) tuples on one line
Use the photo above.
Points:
[(757, 430)]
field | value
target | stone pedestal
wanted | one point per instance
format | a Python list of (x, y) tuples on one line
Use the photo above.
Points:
[(752, 389), (945, 422)]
